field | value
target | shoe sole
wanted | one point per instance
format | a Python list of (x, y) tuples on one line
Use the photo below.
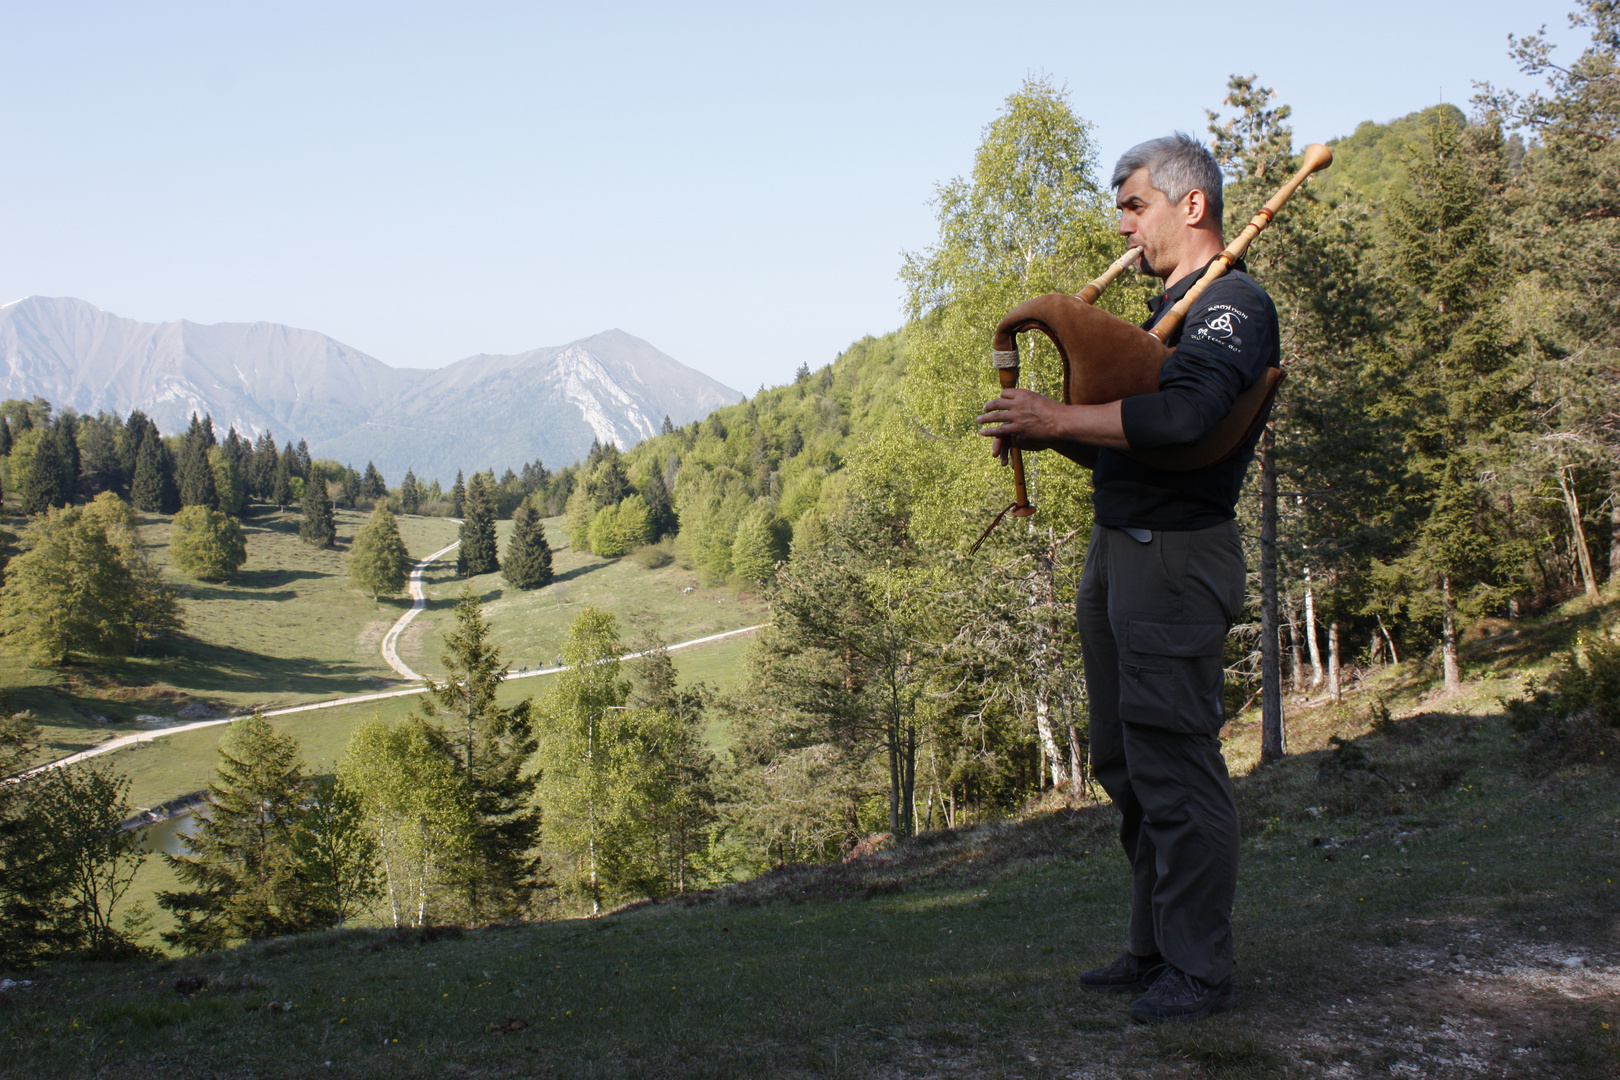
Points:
[(1219, 1005)]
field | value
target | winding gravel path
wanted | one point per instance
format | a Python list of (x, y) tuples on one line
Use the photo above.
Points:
[(390, 641)]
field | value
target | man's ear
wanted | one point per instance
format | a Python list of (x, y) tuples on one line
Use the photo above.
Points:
[(1197, 207)]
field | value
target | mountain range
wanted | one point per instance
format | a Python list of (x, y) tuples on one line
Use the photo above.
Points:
[(485, 411)]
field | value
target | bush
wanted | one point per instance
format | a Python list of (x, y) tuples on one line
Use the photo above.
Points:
[(654, 556), (207, 544), (1593, 686)]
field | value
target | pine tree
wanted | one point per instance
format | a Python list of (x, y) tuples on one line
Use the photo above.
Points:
[(66, 433), (607, 483), (477, 553), (281, 485), (669, 426), (349, 491), (229, 485), (5, 437), (528, 557), (197, 486), (458, 497), (681, 784), (493, 745), (664, 522), (153, 488), (318, 527), (1450, 383), (37, 471), (410, 495), (372, 484), (240, 866), (378, 561), (263, 465)]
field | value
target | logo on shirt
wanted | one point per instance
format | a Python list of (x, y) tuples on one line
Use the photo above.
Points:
[(1221, 326)]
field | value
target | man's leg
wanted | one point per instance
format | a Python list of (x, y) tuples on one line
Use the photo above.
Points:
[(1107, 740), (1190, 824)]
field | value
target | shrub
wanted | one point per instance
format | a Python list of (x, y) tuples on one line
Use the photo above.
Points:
[(654, 556), (207, 544), (1592, 686)]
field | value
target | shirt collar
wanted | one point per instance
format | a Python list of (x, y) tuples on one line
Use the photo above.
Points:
[(1179, 289)]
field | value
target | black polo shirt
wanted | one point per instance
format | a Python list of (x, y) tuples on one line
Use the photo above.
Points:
[(1228, 339)]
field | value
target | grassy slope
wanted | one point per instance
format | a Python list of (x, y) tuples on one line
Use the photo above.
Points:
[(289, 629), (1458, 920)]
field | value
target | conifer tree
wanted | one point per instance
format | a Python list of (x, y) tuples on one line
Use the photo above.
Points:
[(458, 497), (318, 528), (664, 522), (378, 561), (1449, 380), (5, 437), (281, 485), (263, 464), (349, 491), (66, 432), (528, 557), (153, 488), (372, 484), (197, 486), (681, 784), (410, 495), (607, 483), (335, 853), (240, 867), (492, 745), (37, 471), (477, 553)]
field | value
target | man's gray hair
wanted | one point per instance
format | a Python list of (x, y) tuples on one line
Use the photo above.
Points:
[(1176, 164)]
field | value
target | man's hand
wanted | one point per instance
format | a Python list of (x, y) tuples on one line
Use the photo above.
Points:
[(1031, 421)]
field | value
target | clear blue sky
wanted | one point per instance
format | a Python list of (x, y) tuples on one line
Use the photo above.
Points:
[(732, 182)]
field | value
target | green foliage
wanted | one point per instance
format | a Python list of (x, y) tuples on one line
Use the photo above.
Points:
[(68, 592), (417, 805), (587, 761), (229, 485), (1032, 219), (497, 873), (317, 528), (335, 853), (378, 561), (528, 557), (153, 488), (477, 553), (761, 542), (152, 607), (244, 879), (74, 842), (207, 544), (410, 494), (1372, 163), (1589, 681), (36, 471), (617, 530)]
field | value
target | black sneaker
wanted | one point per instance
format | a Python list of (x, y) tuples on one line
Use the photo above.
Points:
[(1179, 996), (1129, 972)]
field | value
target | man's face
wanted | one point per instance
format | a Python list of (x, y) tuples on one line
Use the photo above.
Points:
[(1150, 221)]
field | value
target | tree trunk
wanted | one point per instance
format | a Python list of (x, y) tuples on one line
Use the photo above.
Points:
[(1448, 636), (1048, 740), (1273, 742), (910, 794), (1375, 649), (1334, 690), (1310, 632), (1394, 657), (1076, 766), (1577, 530), (1296, 657), (1614, 535), (894, 779)]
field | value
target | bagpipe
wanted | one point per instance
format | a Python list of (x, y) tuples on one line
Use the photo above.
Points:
[(1105, 358)]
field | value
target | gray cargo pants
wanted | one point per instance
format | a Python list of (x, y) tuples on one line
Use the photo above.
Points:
[(1153, 619)]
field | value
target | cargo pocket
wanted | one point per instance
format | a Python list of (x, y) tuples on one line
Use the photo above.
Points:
[(1172, 675)]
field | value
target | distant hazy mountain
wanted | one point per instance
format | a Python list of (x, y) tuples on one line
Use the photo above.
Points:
[(482, 412), (546, 404)]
